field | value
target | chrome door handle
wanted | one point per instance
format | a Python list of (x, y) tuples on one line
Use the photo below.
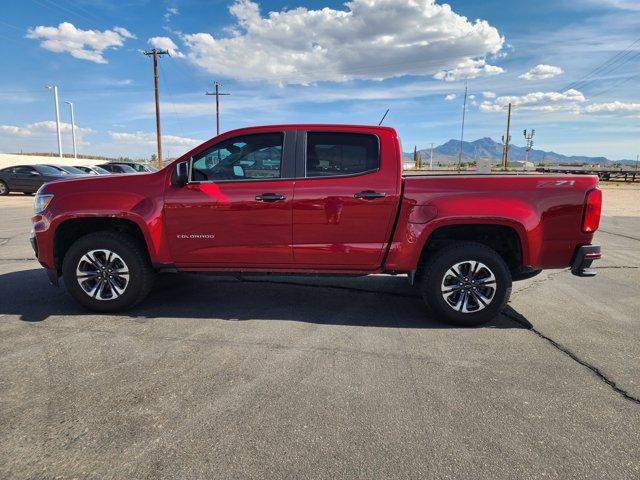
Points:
[(369, 195), (270, 197)]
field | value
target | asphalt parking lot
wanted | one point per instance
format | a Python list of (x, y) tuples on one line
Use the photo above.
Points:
[(321, 378)]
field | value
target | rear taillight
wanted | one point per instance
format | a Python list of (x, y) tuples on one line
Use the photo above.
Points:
[(592, 207)]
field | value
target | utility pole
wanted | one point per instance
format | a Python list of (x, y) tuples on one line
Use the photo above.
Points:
[(217, 93), (431, 158), (73, 129), (54, 88), (464, 111), (506, 139), (155, 53), (529, 139)]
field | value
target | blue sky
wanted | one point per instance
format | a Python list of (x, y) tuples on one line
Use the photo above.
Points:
[(323, 61)]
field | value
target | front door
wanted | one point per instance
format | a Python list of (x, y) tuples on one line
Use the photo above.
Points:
[(236, 210), (26, 178)]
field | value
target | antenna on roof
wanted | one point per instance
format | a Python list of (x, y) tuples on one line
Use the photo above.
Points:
[(383, 117)]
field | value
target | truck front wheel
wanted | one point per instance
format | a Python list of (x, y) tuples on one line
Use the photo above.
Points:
[(107, 272), (466, 284)]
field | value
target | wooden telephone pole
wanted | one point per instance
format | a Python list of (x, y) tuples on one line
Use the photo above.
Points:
[(217, 93), (155, 53)]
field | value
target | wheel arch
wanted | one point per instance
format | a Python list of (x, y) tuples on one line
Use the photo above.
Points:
[(504, 237), (68, 231)]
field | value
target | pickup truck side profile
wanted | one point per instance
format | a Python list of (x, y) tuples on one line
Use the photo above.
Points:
[(315, 199)]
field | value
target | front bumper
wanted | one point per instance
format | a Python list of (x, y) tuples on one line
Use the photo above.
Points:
[(584, 257), (34, 243), (52, 273)]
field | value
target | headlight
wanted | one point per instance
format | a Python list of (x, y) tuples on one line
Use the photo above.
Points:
[(42, 201)]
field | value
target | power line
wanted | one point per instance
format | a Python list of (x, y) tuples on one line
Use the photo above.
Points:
[(56, 8), (613, 86), (171, 102), (603, 65)]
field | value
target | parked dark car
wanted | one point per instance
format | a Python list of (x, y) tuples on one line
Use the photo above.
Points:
[(28, 178), (93, 170), (139, 167), (118, 168)]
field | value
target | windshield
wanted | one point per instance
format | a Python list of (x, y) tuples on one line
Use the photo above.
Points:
[(101, 171), (72, 170), (127, 168), (49, 170)]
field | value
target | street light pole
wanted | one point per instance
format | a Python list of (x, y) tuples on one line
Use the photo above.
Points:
[(54, 88), (73, 129)]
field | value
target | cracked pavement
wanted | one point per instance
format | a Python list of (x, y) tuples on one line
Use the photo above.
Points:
[(299, 377)]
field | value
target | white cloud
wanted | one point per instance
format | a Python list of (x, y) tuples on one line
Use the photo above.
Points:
[(451, 96), (370, 39), (570, 100), (83, 44), (467, 69), (171, 11), (41, 128), (620, 4), (142, 138), (488, 94), (541, 72), (165, 43), (614, 108)]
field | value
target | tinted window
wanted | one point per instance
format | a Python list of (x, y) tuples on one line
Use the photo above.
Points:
[(331, 154), (47, 170), (72, 170), (125, 169), (22, 170), (249, 157)]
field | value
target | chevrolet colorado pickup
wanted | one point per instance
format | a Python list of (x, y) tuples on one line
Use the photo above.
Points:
[(315, 199)]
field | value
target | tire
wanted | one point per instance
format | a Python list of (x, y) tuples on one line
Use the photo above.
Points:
[(27, 193), (4, 189), (462, 299), (132, 275)]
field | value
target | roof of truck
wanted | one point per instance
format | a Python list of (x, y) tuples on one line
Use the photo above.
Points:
[(307, 126)]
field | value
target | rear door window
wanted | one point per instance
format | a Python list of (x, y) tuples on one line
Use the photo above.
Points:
[(332, 154)]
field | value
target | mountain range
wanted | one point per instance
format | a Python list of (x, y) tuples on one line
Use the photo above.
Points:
[(486, 147)]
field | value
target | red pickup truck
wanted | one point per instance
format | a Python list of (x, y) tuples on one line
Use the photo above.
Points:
[(315, 199)]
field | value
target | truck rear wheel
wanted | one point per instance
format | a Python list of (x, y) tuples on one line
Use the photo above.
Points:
[(466, 284), (107, 272)]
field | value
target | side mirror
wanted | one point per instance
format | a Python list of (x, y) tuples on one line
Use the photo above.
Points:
[(181, 174)]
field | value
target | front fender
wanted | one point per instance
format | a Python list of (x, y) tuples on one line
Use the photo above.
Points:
[(143, 211)]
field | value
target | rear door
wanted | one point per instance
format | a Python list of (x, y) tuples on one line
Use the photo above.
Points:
[(235, 212), (8, 175), (346, 197)]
